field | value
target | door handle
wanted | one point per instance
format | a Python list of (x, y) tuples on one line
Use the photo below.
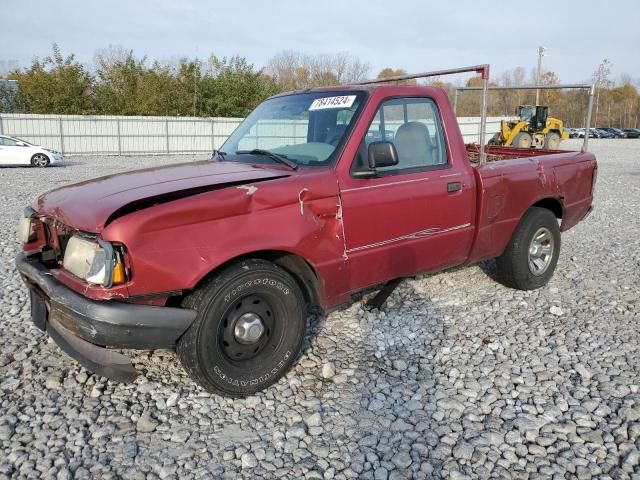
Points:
[(454, 187)]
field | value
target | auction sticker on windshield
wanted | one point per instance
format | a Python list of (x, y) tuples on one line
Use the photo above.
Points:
[(343, 101)]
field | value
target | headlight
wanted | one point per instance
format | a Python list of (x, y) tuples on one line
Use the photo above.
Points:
[(25, 230), (95, 261), (88, 260)]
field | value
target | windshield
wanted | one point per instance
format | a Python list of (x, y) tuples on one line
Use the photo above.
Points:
[(526, 112), (304, 128)]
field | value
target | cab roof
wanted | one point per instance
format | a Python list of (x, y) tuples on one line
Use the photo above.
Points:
[(396, 89)]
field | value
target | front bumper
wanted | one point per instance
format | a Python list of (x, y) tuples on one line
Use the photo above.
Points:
[(83, 327)]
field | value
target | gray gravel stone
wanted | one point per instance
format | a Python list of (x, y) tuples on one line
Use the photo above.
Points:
[(555, 310), (130, 449), (463, 451), (381, 473), (53, 382), (328, 370), (6, 432), (248, 460), (146, 423), (172, 401), (313, 420), (401, 460), (400, 365), (456, 377)]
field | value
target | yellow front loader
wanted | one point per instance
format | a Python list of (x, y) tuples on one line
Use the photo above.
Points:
[(533, 129)]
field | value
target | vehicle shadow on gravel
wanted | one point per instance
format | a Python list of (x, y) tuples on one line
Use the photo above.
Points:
[(384, 381), (490, 269)]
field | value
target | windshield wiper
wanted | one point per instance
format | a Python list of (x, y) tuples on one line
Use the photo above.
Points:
[(220, 154), (276, 157)]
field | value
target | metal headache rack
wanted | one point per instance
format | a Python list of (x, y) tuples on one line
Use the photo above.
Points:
[(483, 70)]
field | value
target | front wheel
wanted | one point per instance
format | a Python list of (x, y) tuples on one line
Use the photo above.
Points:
[(40, 160), (522, 140), (552, 141), (532, 254), (248, 330)]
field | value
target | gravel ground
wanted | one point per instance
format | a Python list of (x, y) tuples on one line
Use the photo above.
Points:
[(458, 377)]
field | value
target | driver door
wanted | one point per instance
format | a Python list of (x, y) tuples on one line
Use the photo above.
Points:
[(416, 216)]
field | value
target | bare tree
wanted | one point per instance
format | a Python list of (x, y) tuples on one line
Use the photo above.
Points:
[(293, 70), (350, 69), (601, 80), (105, 59)]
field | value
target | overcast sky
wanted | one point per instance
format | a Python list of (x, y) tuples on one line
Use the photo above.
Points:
[(416, 35)]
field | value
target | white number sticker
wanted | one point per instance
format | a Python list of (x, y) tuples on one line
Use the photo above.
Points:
[(344, 101)]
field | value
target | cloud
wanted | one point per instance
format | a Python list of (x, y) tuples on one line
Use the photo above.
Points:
[(416, 35)]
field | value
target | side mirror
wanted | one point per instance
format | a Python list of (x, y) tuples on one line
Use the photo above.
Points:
[(382, 154)]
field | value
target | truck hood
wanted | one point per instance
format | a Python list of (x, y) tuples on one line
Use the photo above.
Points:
[(89, 206)]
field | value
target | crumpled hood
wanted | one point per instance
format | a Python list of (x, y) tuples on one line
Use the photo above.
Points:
[(88, 206)]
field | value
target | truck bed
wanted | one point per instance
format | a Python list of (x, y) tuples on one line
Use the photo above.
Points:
[(515, 179)]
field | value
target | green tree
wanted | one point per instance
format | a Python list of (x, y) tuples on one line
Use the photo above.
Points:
[(10, 99), (160, 94), (233, 87), (120, 82), (56, 84)]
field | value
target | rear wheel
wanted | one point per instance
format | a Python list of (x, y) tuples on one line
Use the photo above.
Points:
[(248, 330), (532, 254), (522, 140), (40, 160), (552, 141)]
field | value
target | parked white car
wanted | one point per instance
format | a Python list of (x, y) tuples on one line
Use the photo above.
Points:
[(14, 151)]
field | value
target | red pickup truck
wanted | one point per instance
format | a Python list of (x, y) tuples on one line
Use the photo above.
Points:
[(318, 194)]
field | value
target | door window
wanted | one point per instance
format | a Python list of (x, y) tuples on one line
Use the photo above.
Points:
[(7, 142), (413, 125)]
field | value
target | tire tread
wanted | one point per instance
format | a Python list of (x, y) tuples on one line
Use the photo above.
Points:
[(187, 347), (512, 271)]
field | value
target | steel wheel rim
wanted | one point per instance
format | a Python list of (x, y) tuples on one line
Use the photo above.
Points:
[(249, 311), (40, 160), (541, 251)]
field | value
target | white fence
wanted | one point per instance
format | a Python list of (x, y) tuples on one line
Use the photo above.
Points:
[(122, 135), (119, 135)]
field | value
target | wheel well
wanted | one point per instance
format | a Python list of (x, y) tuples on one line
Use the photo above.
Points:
[(299, 268), (552, 204)]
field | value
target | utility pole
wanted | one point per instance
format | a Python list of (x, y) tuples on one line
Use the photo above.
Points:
[(196, 66), (541, 51)]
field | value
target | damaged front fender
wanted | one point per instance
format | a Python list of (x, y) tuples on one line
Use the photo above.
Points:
[(174, 245)]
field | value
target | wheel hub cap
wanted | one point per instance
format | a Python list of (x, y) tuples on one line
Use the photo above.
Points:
[(541, 251), (248, 328)]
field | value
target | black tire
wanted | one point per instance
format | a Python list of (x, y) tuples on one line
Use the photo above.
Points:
[(210, 350), (40, 160), (517, 267), (495, 140), (552, 141), (522, 140)]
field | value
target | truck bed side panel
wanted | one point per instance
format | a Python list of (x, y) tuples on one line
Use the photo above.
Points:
[(508, 188)]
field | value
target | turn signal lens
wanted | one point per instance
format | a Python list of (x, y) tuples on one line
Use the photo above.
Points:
[(118, 273)]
